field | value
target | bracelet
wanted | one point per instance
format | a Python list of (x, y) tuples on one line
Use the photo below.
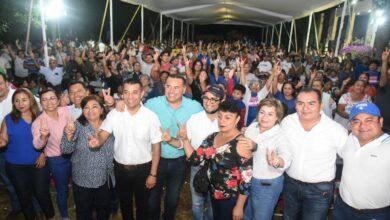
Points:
[(155, 176)]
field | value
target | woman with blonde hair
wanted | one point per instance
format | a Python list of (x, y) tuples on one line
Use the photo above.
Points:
[(270, 159)]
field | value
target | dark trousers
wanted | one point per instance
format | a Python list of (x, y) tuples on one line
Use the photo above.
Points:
[(89, 199), (171, 176), (28, 181), (223, 209), (306, 201), (131, 180), (343, 211)]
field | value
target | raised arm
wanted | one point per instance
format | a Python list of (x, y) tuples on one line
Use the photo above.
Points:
[(384, 68)]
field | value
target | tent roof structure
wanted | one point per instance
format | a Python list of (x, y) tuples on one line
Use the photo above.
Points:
[(258, 13)]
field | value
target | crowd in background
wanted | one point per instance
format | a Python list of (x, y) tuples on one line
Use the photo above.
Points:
[(65, 105)]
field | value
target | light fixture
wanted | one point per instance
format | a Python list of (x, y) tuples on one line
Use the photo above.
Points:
[(54, 9), (381, 20), (354, 2)]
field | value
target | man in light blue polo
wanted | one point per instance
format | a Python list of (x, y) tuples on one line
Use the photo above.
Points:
[(173, 111)]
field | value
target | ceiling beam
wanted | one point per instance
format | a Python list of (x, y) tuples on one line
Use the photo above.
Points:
[(184, 9)]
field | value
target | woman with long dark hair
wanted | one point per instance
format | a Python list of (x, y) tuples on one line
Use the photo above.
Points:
[(229, 169), (287, 97), (92, 168), (25, 166)]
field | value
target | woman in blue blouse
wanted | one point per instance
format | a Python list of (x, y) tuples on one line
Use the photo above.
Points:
[(230, 169), (287, 97), (92, 169), (25, 166)]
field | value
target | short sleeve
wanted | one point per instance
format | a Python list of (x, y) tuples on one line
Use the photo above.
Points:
[(343, 99), (107, 124), (155, 132)]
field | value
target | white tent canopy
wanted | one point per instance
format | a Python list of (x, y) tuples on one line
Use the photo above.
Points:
[(243, 12)]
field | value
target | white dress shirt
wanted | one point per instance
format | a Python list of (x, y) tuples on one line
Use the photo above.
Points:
[(6, 104), (134, 135), (53, 76), (273, 139), (199, 127), (365, 182), (75, 112), (313, 152)]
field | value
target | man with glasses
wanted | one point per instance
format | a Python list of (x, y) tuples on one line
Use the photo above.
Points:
[(365, 182), (314, 140), (173, 111), (199, 127)]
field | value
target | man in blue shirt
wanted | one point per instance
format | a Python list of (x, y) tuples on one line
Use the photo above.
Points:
[(173, 111)]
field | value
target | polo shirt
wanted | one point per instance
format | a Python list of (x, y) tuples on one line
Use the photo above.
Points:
[(134, 135), (365, 182), (313, 152), (199, 127), (53, 76), (170, 118)]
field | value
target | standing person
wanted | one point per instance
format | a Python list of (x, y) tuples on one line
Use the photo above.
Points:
[(77, 90), (24, 165), (365, 181), (92, 168), (136, 149), (6, 93), (270, 159), (199, 126), (172, 109), (47, 131), (328, 104), (287, 97), (349, 99), (313, 140), (53, 73), (230, 169)]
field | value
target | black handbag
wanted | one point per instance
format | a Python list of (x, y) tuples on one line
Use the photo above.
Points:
[(201, 181)]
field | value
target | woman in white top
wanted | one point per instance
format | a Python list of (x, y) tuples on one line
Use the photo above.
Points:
[(355, 95), (270, 159)]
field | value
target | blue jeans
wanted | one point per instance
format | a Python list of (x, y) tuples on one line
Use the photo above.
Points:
[(8, 185), (60, 168), (199, 211), (223, 209), (263, 197), (171, 175), (306, 201), (343, 211)]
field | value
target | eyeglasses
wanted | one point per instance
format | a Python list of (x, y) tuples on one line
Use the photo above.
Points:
[(51, 99), (211, 100)]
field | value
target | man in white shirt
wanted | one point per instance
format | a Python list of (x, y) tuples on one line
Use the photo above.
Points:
[(53, 74), (136, 149), (365, 181), (5, 108), (199, 127), (314, 140), (77, 90), (286, 64)]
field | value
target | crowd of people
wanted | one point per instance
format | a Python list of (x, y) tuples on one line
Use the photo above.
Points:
[(254, 122)]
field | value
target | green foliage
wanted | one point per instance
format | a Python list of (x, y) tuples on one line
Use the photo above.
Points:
[(14, 18)]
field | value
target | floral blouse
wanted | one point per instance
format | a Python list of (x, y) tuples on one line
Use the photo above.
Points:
[(229, 173)]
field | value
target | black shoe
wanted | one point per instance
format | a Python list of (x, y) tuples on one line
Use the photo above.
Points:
[(13, 214)]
